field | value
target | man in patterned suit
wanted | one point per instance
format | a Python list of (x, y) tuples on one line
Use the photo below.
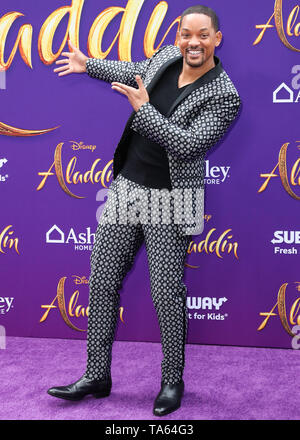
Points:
[(183, 102)]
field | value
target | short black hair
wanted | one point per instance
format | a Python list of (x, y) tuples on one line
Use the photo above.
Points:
[(201, 9)]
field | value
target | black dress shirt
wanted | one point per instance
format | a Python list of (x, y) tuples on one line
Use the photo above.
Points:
[(147, 162)]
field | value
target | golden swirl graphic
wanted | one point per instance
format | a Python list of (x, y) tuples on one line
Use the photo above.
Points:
[(283, 171), (23, 40), (192, 267), (62, 304), (282, 309), (279, 25), (121, 314), (59, 171), (8, 130)]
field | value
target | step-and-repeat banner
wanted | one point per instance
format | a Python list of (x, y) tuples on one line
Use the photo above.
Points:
[(57, 139)]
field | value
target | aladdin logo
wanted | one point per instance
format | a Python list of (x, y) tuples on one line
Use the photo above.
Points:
[(291, 29), (286, 237), (72, 13), (73, 309), (287, 181), (5, 304), (2, 162), (220, 245), (71, 177), (283, 93), (81, 241), (292, 318), (6, 242), (206, 303), (215, 175)]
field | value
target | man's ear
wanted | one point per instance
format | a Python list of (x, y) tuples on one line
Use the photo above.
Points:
[(219, 37)]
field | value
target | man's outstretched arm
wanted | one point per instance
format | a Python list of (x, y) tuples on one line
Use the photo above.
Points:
[(116, 70), (106, 70)]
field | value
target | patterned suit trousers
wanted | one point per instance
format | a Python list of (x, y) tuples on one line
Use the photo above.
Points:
[(113, 254)]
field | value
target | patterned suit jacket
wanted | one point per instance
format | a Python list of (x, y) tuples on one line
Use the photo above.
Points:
[(197, 120)]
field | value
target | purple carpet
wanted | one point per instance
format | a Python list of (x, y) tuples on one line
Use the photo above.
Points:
[(221, 382)]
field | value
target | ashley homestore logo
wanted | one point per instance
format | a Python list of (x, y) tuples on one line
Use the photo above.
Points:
[(81, 240)]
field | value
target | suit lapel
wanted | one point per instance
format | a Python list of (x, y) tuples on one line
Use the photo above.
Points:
[(207, 77), (153, 81), (204, 79), (160, 71)]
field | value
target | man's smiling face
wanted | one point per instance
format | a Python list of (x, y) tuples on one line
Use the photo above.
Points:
[(197, 39)]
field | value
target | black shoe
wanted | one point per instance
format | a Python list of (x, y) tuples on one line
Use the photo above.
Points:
[(168, 399), (83, 386)]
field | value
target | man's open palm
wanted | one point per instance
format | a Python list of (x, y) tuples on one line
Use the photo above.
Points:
[(74, 63), (136, 97)]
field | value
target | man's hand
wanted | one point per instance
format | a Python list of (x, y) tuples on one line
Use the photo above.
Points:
[(136, 97), (75, 61)]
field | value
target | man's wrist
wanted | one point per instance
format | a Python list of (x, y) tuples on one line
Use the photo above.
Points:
[(84, 64), (141, 105)]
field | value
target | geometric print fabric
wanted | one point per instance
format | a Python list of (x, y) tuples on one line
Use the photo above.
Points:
[(112, 257)]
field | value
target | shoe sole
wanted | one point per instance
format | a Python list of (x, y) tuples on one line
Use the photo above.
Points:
[(96, 395), (103, 394), (167, 411)]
